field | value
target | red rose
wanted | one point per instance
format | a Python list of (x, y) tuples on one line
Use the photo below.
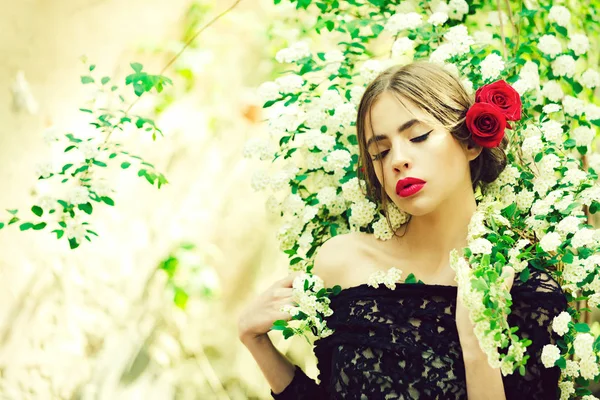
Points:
[(487, 123), (504, 96)]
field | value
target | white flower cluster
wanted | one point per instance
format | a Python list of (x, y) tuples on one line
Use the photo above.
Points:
[(295, 52), (307, 302), (389, 278)]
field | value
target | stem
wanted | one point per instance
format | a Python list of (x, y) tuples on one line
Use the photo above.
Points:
[(501, 29)]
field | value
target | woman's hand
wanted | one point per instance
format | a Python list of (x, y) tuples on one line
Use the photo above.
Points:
[(257, 318), (463, 322)]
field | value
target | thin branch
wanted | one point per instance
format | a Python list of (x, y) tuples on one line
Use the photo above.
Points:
[(501, 29)]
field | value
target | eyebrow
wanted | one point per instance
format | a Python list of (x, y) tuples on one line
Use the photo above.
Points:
[(401, 128)]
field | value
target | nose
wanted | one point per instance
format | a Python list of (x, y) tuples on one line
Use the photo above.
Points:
[(400, 158)]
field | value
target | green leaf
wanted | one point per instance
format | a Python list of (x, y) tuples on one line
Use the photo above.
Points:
[(40, 226), (99, 163), (59, 233), (13, 220), (1, 225), (108, 200), (524, 276), (582, 327), (280, 322), (73, 243), (295, 260), (86, 110), (25, 226), (561, 362), (37, 210), (181, 298), (377, 29), (86, 208), (13, 212), (137, 67), (287, 333), (105, 80), (125, 165), (87, 79), (411, 278)]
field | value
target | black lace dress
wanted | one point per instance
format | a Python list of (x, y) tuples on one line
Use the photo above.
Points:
[(403, 344)]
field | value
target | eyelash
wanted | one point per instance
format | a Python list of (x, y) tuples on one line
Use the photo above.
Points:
[(415, 140)]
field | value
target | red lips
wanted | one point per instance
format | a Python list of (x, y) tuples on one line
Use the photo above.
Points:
[(403, 183)]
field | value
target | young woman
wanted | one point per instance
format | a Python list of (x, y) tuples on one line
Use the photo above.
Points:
[(416, 341)]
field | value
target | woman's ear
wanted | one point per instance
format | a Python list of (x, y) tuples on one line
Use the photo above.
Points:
[(472, 151)]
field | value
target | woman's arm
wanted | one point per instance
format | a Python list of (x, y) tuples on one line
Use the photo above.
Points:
[(277, 369), (483, 381)]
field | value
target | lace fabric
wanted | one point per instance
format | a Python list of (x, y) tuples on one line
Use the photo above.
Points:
[(403, 344)]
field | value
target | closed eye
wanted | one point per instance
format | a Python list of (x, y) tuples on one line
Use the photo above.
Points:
[(415, 140)]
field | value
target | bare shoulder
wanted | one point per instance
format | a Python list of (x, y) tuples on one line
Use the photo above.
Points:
[(335, 256)]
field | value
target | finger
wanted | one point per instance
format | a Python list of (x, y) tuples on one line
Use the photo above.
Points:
[(281, 293), (288, 281), (508, 273)]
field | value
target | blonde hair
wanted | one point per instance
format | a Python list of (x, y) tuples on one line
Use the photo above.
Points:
[(441, 95)]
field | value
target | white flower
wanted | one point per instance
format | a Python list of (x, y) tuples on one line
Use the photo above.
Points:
[(399, 22), (443, 52), (551, 241), (293, 53), (334, 56), (553, 91), (568, 224), (594, 300), (381, 230), (370, 69), (376, 278), (563, 66), (402, 46), (573, 105), (481, 246), (336, 160), (592, 112), (356, 94), (327, 195), (51, 134), (583, 237), (291, 83), (551, 108), (268, 91), (566, 390), (362, 213), (457, 9), (549, 44), (590, 78), (560, 323), (552, 131), (589, 397), (458, 37), (101, 188), (561, 15), (351, 191), (75, 230), (330, 99), (583, 345), (44, 170), (572, 369), (78, 195), (550, 353), (260, 180), (438, 18), (579, 43), (494, 18), (483, 37), (583, 135), (491, 66), (258, 147), (468, 85)]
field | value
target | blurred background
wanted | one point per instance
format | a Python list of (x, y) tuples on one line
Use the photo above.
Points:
[(149, 308)]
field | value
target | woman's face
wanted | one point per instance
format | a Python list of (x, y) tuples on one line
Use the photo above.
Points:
[(421, 150)]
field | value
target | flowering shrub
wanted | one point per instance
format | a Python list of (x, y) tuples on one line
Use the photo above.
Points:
[(533, 216), (85, 154)]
